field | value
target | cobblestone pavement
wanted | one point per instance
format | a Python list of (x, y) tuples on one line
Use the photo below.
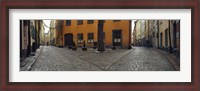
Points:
[(58, 59), (103, 60), (137, 59), (142, 59)]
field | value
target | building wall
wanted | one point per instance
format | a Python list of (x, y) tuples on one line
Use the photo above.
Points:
[(85, 28), (59, 33), (175, 34), (36, 29), (24, 34), (164, 26), (42, 34), (33, 35), (138, 36), (151, 33), (142, 32), (52, 32), (134, 35), (146, 30), (154, 29), (37, 32), (47, 38), (178, 35), (156, 36), (24, 38), (123, 25), (80, 29), (29, 37)]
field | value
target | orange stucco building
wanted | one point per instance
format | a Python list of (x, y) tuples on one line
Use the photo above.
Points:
[(116, 32)]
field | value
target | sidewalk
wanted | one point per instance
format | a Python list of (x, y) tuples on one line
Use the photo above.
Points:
[(28, 62), (171, 57)]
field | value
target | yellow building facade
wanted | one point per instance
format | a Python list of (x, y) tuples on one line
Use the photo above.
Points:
[(116, 32)]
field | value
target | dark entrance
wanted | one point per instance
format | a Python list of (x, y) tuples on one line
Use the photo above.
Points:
[(157, 39), (117, 37), (29, 37), (161, 40), (68, 39), (174, 34), (166, 38)]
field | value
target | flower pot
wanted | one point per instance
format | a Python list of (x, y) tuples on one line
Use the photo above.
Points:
[(129, 47), (94, 47), (84, 48), (69, 47), (74, 48), (113, 48)]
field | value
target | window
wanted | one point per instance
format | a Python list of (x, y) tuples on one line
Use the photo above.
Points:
[(90, 37), (116, 20), (117, 36), (79, 22), (80, 38), (68, 22), (90, 21)]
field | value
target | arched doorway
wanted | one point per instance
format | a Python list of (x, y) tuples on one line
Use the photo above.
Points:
[(68, 39)]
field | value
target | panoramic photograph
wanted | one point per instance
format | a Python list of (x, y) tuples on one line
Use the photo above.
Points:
[(100, 45)]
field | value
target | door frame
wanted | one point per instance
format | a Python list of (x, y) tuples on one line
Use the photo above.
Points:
[(113, 36), (65, 36)]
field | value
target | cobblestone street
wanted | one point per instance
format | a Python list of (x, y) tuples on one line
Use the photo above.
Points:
[(143, 59), (137, 59)]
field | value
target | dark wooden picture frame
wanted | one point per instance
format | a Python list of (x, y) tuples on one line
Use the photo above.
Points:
[(99, 4)]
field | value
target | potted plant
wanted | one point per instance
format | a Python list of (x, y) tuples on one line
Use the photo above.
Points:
[(70, 45), (94, 45), (113, 47), (129, 47), (84, 48), (74, 46), (60, 46)]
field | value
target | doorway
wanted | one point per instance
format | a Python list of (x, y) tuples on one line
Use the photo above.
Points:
[(117, 37), (166, 38), (68, 39), (161, 40), (174, 34)]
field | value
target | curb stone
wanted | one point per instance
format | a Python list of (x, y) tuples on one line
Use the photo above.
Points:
[(29, 65), (170, 58)]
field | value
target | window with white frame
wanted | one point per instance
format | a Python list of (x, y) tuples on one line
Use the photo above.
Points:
[(80, 38), (68, 22), (90, 21), (90, 37), (79, 22)]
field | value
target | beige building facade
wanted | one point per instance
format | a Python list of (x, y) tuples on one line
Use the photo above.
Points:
[(164, 31), (52, 32), (163, 34)]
